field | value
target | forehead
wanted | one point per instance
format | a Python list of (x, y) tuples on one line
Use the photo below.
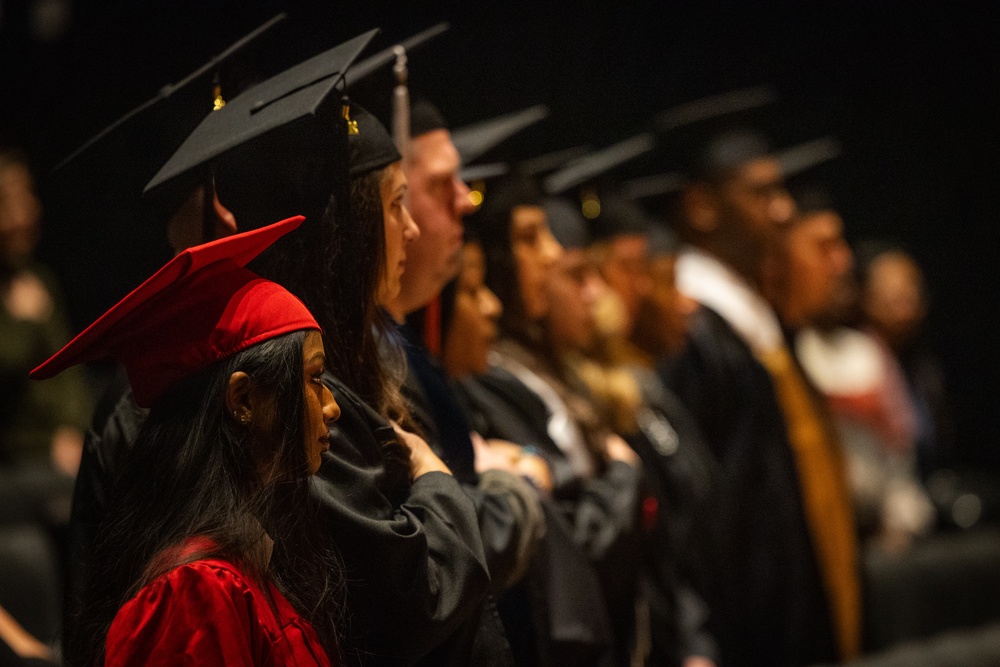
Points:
[(822, 225), (312, 345), (434, 154), (15, 175), (393, 176), (629, 244), (762, 170), (524, 217), (894, 267)]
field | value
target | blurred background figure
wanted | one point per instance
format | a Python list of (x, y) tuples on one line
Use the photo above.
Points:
[(791, 593), (661, 325), (584, 582), (41, 426), (615, 285), (894, 305), (38, 426), (856, 372)]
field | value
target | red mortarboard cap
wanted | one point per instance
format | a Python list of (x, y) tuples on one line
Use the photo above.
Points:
[(201, 307)]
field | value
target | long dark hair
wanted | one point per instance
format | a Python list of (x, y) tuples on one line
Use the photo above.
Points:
[(191, 474), (336, 266), (491, 227)]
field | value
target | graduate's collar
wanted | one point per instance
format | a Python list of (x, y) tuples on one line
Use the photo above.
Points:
[(702, 277)]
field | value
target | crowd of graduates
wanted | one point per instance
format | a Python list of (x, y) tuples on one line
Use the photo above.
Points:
[(390, 406)]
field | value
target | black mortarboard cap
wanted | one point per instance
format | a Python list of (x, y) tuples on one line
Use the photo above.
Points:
[(716, 155), (371, 146), (300, 94), (805, 156), (656, 193), (159, 125), (490, 222), (663, 241), (425, 117), (798, 166), (94, 196), (365, 67), (655, 185), (708, 137), (472, 141), (549, 162), (481, 172), (567, 223), (595, 164), (620, 217), (714, 107)]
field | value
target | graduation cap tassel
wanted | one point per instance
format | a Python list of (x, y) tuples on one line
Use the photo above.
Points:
[(208, 203), (401, 102), (217, 100)]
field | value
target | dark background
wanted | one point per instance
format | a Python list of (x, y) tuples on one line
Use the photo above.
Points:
[(911, 90)]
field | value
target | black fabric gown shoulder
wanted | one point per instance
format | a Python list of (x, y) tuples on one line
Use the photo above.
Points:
[(767, 600), (582, 569), (510, 518), (415, 568)]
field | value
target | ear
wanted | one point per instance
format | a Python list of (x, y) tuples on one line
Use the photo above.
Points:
[(700, 209), (239, 400)]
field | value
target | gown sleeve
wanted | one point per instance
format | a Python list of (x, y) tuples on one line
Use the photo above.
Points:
[(415, 566), (196, 614)]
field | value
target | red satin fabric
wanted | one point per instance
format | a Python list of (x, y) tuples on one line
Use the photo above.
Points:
[(208, 613)]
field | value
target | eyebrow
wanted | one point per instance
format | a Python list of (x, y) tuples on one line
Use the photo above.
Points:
[(317, 355)]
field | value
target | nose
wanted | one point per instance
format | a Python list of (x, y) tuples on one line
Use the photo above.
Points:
[(593, 288), (411, 232), (463, 205), (843, 258), (781, 208), (552, 251), (489, 304), (331, 410)]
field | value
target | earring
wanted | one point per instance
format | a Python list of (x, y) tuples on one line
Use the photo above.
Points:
[(243, 418)]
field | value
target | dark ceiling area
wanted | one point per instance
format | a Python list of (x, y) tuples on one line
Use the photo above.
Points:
[(911, 90)]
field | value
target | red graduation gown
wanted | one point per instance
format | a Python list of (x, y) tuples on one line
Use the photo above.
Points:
[(208, 613)]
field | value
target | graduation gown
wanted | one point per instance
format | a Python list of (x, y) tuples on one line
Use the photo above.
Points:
[(767, 602), (510, 517), (583, 580), (679, 547), (415, 568), (208, 612)]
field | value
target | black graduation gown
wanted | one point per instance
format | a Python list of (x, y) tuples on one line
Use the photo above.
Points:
[(583, 582), (509, 519), (415, 569), (767, 600), (679, 550)]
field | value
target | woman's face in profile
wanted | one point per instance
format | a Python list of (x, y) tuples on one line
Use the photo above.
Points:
[(400, 230), (473, 326), (320, 406), (535, 252)]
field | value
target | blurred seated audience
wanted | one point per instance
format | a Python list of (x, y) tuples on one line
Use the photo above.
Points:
[(38, 425)]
